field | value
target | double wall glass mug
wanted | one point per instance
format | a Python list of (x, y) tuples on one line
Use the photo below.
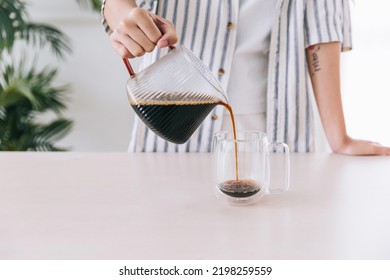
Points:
[(249, 167), (175, 94)]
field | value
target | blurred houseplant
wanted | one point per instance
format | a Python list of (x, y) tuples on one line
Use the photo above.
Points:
[(91, 4), (26, 92)]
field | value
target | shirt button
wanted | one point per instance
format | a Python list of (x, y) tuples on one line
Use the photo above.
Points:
[(230, 25), (221, 72), (214, 117)]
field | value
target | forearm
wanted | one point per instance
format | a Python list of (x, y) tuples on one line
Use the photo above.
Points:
[(116, 10), (324, 67)]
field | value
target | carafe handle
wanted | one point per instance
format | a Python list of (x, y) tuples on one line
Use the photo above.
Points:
[(128, 65), (279, 157)]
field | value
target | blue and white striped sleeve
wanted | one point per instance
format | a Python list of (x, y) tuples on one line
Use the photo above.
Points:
[(150, 5), (328, 21), (104, 22)]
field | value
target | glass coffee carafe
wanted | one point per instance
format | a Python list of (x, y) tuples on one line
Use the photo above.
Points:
[(175, 94)]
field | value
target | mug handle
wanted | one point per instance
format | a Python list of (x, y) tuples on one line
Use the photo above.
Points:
[(279, 155)]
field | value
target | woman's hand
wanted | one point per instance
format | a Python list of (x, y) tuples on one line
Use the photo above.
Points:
[(357, 147), (135, 30)]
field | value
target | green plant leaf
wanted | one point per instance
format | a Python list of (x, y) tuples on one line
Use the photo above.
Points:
[(6, 32), (12, 20), (15, 25), (53, 131), (40, 34), (25, 92), (92, 4)]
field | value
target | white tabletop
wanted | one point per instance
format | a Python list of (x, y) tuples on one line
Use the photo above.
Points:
[(162, 206)]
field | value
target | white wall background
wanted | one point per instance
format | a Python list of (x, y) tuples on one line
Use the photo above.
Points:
[(365, 73), (97, 76)]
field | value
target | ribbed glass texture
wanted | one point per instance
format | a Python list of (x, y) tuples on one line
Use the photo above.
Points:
[(175, 94)]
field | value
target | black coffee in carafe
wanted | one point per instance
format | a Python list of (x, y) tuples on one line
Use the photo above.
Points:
[(174, 121), (175, 94)]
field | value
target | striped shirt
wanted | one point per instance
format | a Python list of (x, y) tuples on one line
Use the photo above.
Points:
[(205, 27)]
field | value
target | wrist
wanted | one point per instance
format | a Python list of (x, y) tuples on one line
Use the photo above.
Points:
[(113, 11), (340, 144)]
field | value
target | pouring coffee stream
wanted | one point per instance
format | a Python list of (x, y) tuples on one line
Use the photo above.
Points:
[(175, 94)]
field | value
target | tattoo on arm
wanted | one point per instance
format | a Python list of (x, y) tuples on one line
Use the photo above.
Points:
[(313, 50)]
